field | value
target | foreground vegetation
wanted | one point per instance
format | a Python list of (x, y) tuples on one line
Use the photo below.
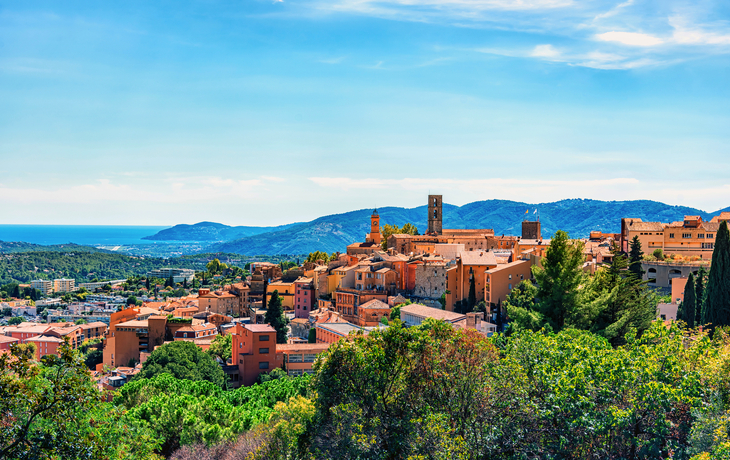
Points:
[(429, 392)]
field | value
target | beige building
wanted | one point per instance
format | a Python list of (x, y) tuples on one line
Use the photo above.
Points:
[(64, 285), (45, 286), (690, 237)]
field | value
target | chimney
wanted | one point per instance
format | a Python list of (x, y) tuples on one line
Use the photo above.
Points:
[(471, 319)]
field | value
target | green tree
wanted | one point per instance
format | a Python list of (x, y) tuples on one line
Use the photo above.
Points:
[(472, 301), (147, 283), (53, 409), (275, 317), (619, 302), (222, 347), (131, 300), (520, 307), (636, 256), (689, 303), (170, 282), (15, 320), (387, 230), (312, 338), (717, 302), (658, 254), (80, 321), (561, 283), (700, 283), (183, 360)]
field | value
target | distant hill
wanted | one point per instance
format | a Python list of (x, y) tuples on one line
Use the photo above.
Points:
[(210, 231), (578, 217), (9, 247)]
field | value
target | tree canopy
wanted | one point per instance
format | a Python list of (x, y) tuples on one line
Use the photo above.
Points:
[(717, 302), (387, 230), (183, 360)]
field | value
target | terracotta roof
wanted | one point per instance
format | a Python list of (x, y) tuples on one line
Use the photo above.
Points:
[(300, 320), (260, 328), (134, 323), (429, 312), (375, 303), (711, 226), (509, 265), (342, 329), (44, 338), (646, 226), (478, 258), (6, 339), (91, 325), (32, 329), (295, 347)]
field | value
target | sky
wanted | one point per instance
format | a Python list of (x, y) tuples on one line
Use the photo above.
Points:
[(263, 112)]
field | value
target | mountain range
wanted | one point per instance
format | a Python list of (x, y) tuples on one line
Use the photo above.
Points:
[(334, 232)]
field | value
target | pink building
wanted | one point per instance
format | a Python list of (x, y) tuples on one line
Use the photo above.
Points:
[(303, 297)]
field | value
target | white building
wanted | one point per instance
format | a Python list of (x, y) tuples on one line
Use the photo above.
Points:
[(45, 286), (178, 274)]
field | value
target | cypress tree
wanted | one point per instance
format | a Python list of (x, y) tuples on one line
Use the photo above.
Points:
[(472, 293), (700, 282), (689, 304), (275, 317), (147, 283), (717, 302), (635, 258)]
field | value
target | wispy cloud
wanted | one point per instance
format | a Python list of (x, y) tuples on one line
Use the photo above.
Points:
[(630, 38)]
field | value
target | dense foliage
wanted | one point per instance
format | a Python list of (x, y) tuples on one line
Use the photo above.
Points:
[(187, 412), (54, 410), (275, 317), (81, 266), (612, 303), (183, 360)]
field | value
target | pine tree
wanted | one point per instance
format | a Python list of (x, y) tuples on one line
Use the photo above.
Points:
[(717, 302), (700, 283), (472, 293), (635, 258), (147, 283), (689, 304), (275, 317), (559, 281)]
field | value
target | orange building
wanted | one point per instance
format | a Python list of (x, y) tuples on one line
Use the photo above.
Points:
[(500, 280), (470, 265), (254, 351), (5, 343), (690, 237), (221, 302), (372, 239), (45, 345), (299, 357)]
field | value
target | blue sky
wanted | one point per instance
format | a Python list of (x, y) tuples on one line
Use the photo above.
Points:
[(267, 112)]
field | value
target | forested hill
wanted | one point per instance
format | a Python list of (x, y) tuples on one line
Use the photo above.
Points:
[(577, 217), (8, 247), (82, 266), (210, 231)]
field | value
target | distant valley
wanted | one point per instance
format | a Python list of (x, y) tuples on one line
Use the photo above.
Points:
[(334, 232)]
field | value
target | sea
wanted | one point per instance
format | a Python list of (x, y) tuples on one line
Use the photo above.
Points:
[(87, 235)]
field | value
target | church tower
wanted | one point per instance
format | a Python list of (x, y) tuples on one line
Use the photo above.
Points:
[(435, 216), (374, 236)]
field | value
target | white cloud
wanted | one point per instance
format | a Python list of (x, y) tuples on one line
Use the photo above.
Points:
[(545, 51), (630, 38), (697, 35)]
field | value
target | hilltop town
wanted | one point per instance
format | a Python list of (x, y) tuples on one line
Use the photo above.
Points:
[(269, 339)]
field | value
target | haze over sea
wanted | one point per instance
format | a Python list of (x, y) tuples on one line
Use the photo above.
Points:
[(89, 235)]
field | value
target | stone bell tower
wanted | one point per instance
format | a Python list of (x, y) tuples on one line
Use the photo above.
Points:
[(435, 216)]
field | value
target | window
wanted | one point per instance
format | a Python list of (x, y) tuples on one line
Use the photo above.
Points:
[(264, 338), (700, 235), (710, 235), (686, 235), (671, 235), (263, 365), (295, 358), (708, 245), (309, 357), (510, 286), (264, 351), (510, 276)]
